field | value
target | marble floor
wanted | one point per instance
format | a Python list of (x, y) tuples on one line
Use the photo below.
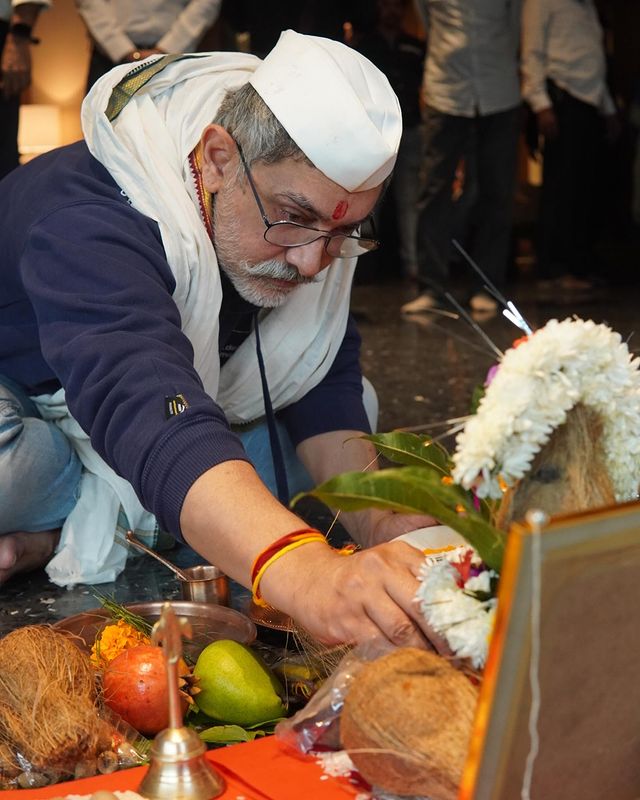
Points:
[(424, 368)]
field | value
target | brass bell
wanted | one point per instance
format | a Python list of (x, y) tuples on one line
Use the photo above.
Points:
[(178, 768)]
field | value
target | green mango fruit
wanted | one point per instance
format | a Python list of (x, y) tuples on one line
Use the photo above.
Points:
[(236, 686)]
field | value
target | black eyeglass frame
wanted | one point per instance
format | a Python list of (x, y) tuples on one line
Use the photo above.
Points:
[(322, 234)]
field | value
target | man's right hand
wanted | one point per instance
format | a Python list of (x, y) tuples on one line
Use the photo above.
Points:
[(230, 517), (547, 123), (350, 599)]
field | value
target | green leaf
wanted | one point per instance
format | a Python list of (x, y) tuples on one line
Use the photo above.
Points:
[(268, 725), (412, 450), (412, 490), (476, 396), (229, 734)]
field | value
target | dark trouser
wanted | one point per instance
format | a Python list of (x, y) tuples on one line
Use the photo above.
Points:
[(99, 65), (9, 111), (568, 204), (492, 139)]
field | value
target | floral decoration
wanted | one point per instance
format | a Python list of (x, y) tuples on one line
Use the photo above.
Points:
[(457, 597), (560, 365)]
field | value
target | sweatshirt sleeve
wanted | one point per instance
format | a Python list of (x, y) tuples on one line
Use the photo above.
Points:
[(335, 404), (98, 281)]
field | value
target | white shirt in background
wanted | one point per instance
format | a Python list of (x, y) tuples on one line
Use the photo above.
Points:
[(472, 55), (7, 6), (121, 26), (562, 40)]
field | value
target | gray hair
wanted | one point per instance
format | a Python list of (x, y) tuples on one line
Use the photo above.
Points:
[(248, 119)]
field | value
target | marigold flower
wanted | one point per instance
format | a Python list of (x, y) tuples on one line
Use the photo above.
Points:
[(113, 639)]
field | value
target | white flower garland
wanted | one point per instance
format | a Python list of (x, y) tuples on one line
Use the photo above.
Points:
[(560, 365), (449, 608)]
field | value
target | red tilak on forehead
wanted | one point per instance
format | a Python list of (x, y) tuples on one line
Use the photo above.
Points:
[(340, 210)]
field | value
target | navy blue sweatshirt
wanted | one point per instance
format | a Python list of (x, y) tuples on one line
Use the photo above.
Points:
[(86, 303)]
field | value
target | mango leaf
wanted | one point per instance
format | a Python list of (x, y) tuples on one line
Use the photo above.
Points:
[(410, 449), (412, 490), (267, 726), (229, 734)]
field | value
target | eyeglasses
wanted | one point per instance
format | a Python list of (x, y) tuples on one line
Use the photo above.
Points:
[(292, 234)]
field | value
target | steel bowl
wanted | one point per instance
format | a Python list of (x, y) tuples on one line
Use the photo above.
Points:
[(205, 584)]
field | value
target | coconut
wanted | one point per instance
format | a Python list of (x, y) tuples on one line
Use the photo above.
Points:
[(568, 474), (48, 709), (407, 722)]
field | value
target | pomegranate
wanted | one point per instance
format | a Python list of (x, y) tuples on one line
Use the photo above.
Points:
[(135, 687)]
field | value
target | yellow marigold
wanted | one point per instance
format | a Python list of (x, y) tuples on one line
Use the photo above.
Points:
[(113, 639)]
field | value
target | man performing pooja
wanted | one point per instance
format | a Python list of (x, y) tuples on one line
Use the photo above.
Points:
[(183, 271)]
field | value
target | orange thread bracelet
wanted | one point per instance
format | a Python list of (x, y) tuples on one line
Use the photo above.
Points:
[(286, 548), (274, 546)]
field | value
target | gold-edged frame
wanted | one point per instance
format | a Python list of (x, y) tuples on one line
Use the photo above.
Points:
[(584, 741)]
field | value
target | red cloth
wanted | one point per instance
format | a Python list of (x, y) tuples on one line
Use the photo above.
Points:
[(258, 770)]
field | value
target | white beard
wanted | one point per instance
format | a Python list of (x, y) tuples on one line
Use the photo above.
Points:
[(252, 283)]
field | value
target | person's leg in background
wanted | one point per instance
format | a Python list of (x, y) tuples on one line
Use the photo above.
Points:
[(496, 144), (446, 141), (39, 478), (99, 65), (555, 216), (406, 194), (585, 130)]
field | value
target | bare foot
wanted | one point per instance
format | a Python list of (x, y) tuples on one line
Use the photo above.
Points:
[(23, 551)]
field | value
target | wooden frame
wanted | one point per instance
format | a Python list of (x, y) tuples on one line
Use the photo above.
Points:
[(588, 725)]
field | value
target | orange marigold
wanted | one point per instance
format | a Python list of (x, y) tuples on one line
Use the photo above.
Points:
[(113, 639)]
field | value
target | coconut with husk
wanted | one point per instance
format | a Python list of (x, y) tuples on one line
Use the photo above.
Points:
[(406, 723), (49, 718), (569, 473)]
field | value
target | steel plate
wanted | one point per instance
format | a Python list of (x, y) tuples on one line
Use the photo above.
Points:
[(209, 623)]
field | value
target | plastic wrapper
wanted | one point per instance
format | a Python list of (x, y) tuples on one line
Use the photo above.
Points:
[(316, 727), (120, 747)]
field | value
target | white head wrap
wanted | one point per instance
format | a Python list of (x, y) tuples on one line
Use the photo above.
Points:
[(336, 105)]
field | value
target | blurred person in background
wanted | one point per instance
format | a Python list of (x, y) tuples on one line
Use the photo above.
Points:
[(257, 24), (565, 84), (472, 104), (17, 20), (401, 58), (123, 31)]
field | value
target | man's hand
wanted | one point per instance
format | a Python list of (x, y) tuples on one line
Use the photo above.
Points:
[(547, 123), (229, 517), (390, 525), (16, 66), (140, 55), (338, 599)]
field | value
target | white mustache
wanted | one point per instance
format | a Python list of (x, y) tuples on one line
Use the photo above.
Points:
[(279, 271)]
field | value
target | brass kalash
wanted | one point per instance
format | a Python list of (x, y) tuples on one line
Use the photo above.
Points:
[(178, 769)]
